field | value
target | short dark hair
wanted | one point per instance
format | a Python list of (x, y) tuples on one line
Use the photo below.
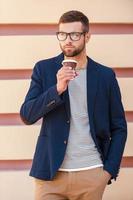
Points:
[(75, 16)]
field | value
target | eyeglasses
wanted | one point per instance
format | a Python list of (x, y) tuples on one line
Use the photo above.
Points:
[(74, 36)]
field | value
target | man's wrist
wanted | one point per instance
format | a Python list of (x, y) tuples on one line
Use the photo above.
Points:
[(59, 90), (107, 173)]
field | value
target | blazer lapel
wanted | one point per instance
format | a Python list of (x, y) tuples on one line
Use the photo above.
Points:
[(67, 102), (65, 94), (92, 86)]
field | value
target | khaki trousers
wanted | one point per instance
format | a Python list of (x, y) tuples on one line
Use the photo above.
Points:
[(80, 185)]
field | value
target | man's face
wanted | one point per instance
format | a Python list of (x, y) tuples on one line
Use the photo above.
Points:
[(69, 47)]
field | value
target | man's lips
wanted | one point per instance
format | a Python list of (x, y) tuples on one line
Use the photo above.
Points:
[(68, 47)]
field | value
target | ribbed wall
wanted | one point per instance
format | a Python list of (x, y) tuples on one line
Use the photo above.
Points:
[(27, 31)]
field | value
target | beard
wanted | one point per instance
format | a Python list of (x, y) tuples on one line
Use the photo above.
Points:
[(72, 51)]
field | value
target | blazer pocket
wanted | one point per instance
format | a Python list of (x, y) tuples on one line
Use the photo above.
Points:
[(51, 103)]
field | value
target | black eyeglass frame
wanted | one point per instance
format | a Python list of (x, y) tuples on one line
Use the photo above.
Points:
[(81, 33)]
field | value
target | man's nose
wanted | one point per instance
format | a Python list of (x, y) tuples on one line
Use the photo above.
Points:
[(68, 39)]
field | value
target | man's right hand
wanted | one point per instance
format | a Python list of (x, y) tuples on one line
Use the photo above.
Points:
[(64, 75)]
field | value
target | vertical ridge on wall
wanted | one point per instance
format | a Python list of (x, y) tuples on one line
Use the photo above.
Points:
[(50, 29), (13, 74), (127, 162)]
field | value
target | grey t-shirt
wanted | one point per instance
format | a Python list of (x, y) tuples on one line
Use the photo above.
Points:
[(81, 152)]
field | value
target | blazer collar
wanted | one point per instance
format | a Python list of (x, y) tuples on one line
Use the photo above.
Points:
[(92, 86), (59, 60)]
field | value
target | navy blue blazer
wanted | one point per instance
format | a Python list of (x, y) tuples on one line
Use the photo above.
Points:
[(105, 111)]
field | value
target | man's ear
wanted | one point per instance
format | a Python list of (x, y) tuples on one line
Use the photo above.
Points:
[(88, 35)]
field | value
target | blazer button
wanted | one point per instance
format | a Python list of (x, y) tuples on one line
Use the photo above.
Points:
[(68, 121), (65, 141)]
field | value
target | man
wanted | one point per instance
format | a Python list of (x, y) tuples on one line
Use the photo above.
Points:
[(83, 131)]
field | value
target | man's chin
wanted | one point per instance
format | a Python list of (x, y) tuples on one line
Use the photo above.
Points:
[(69, 54)]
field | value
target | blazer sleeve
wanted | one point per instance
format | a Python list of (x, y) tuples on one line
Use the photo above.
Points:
[(118, 129), (39, 103)]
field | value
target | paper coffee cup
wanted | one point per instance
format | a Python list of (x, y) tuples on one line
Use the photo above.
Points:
[(70, 63)]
